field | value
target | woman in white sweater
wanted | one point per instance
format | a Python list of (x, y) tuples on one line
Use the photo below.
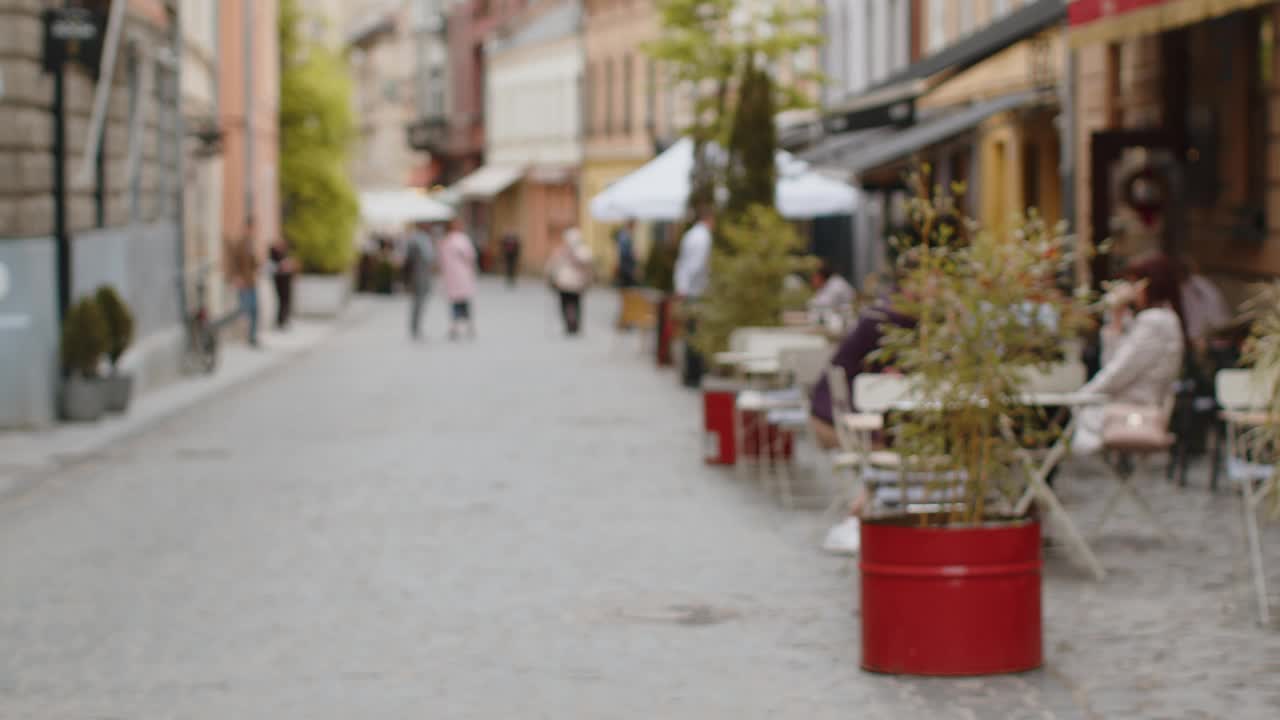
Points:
[(1142, 347)]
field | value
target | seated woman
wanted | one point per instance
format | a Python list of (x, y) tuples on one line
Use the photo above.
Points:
[(1142, 346)]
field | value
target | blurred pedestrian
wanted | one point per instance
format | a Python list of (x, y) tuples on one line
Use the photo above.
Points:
[(832, 292), (419, 260), (1204, 309), (625, 239), (283, 267), (570, 273), (244, 275), (692, 271), (457, 258), (511, 256)]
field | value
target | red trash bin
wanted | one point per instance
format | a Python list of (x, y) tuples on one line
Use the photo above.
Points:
[(718, 397)]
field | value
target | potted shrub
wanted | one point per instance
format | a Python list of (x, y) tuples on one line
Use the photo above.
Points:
[(84, 340), (117, 387), (951, 585)]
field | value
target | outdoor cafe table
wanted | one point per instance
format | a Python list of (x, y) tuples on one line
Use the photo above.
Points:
[(1039, 464)]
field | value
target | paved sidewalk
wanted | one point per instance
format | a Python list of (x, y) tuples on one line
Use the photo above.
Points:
[(25, 456), (523, 527)]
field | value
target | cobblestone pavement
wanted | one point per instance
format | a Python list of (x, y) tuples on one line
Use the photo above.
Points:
[(522, 528)]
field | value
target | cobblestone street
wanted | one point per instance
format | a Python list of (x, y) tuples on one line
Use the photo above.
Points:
[(522, 527)]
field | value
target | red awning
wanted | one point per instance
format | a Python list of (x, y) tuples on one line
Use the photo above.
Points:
[(1102, 21)]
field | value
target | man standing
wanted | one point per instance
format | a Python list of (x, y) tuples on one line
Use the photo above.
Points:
[(420, 258), (625, 240), (283, 268), (511, 256), (693, 267)]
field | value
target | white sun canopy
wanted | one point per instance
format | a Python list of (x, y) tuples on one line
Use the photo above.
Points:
[(660, 190), (386, 208)]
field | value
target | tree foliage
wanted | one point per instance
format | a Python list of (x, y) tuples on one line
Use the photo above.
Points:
[(316, 132), (749, 271), (118, 322), (704, 44), (751, 175), (84, 338)]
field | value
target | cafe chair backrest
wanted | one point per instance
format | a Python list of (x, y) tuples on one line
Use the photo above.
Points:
[(1242, 390)]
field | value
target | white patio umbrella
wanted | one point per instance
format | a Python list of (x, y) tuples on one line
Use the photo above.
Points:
[(660, 190), (388, 208)]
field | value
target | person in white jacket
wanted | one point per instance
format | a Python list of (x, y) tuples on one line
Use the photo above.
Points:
[(570, 272), (1142, 347)]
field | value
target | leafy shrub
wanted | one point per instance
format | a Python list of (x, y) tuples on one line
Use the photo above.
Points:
[(119, 323), (749, 270), (84, 338)]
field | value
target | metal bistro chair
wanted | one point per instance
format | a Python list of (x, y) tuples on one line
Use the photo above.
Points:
[(801, 367), (1245, 399), (758, 347), (638, 312)]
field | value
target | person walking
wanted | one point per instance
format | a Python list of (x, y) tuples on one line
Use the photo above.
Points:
[(283, 266), (457, 258), (570, 273), (244, 275), (419, 260), (511, 256), (693, 268), (625, 242)]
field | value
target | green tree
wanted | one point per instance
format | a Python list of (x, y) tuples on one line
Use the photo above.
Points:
[(749, 271), (703, 45), (316, 132), (751, 175)]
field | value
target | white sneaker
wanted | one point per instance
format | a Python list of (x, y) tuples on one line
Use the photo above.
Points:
[(845, 538)]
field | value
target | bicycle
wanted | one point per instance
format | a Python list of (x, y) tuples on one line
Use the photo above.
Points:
[(200, 354)]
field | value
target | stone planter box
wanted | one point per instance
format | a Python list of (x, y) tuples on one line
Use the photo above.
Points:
[(321, 296)]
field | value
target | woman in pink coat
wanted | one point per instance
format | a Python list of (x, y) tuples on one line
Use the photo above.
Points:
[(457, 258)]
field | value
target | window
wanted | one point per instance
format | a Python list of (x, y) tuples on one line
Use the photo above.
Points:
[(608, 96), (968, 16), (937, 25), (588, 100), (651, 95), (628, 94)]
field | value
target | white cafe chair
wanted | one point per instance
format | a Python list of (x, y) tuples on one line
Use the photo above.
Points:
[(1245, 399)]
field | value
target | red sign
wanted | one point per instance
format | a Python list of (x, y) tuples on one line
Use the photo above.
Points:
[(1082, 12)]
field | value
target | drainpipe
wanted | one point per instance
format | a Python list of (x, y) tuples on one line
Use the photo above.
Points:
[(249, 183), (180, 171)]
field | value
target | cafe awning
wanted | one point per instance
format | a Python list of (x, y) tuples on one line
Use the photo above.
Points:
[(892, 102), (901, 145), (1104, 21), (487, 182), (391, 208)]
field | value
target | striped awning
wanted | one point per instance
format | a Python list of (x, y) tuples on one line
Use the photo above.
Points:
[(1105, 21)]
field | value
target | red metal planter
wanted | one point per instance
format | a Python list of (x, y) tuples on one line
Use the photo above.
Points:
[(951, 601)]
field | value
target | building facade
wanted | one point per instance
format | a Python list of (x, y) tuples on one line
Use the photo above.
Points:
[(380, 43), (1177, 133), (122, 224), (630, 112), (533, 125), (249, 100), (203, 183)]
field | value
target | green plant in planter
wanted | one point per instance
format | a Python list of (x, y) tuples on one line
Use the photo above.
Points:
[(1263, 355), (84, 339), (987, 309), (118, 321), (749, 271)]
